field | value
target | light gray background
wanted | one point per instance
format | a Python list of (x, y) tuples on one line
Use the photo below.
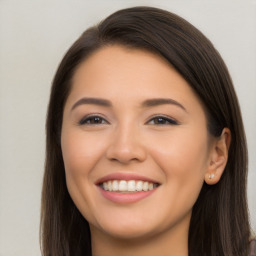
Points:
[(33, 38)]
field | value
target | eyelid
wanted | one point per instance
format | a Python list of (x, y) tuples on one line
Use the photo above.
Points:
[(90, 116), (171, 120)]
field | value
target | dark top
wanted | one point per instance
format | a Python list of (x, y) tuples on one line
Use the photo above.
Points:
[(252, 251)]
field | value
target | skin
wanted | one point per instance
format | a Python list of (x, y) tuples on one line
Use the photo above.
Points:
[(129, 137)]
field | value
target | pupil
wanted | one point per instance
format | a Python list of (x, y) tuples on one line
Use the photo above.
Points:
[(160, 121), (96, 120)]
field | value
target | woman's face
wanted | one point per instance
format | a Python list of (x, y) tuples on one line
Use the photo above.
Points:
[(132, 123)]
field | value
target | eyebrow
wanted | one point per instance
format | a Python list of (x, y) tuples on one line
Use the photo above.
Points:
[(162, 101), (92, 101), (146, 103)]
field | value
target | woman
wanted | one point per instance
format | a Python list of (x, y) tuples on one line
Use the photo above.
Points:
[(146, 152)]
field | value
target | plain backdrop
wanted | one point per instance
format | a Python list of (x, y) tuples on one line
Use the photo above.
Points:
[(34, 35)]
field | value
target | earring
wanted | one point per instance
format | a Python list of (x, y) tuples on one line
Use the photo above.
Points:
[(211, 176)]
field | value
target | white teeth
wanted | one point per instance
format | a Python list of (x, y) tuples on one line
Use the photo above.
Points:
[(115, 185), (122, 185), (145, 186), (150, 186), (105, 185), (109, 185), (139, 185), (128, 186), (131, 185)]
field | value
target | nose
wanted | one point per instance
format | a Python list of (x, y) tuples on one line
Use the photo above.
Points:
[(126, 146)]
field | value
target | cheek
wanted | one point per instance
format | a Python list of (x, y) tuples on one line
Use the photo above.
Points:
[(183, 159), (80, 154), (185, 153)]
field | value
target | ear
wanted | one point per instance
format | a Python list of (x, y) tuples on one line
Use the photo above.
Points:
[(218, 157)]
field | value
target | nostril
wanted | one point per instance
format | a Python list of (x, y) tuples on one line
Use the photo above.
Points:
[(126, 154)]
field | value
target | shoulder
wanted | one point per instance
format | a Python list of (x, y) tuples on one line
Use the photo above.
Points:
[(252, 250)]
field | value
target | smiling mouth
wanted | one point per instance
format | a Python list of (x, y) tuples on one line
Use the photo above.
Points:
[(128, 186)]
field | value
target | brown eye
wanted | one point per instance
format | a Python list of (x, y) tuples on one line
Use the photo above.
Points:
[(93, 120), (161, 120)]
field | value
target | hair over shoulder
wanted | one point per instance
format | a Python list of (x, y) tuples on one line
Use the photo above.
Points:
[(219, 223)]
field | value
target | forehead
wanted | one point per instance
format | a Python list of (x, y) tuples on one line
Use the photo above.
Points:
[(129, 74), (124, 65), (120, 58)]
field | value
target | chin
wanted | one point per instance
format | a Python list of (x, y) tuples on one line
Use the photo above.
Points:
[(126, 232), (142, 227), (123, 226)]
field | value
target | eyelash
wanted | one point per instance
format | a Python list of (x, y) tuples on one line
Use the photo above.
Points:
[(162, 120), (166, 120), (87, 120)]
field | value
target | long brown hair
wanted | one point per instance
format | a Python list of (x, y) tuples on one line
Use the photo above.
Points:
[(219, 223)]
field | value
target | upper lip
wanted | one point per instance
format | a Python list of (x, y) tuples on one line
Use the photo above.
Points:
[(124, 176)]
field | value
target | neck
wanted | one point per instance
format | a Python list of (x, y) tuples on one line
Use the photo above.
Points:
[(170, 242)]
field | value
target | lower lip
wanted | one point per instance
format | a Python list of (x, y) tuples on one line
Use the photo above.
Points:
[(126, 198)]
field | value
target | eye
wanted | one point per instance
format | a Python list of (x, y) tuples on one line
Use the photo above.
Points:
[(93, 120), (162, 120)]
